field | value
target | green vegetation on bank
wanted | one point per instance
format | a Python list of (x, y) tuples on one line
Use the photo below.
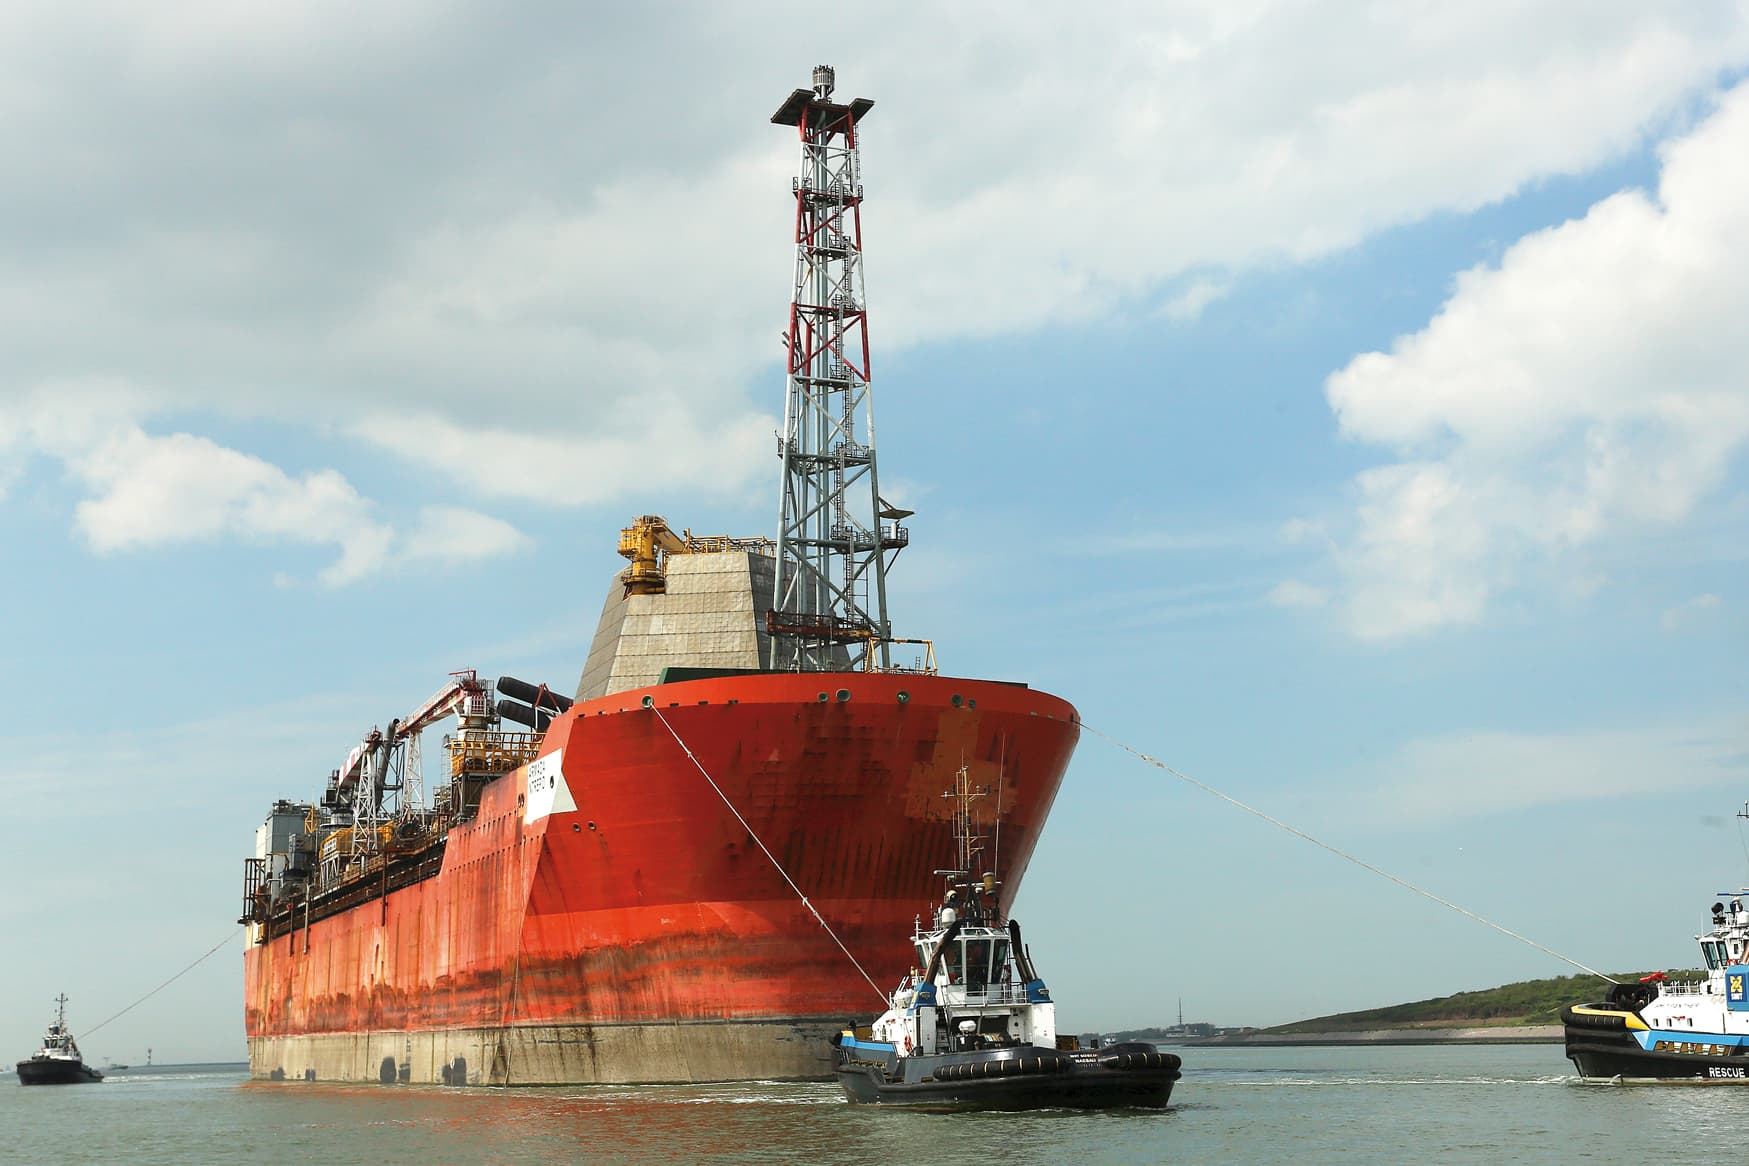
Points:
[(1526, 1002)]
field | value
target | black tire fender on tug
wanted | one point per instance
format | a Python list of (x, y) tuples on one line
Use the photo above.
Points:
[(1046, 1062), (1140, 1060)]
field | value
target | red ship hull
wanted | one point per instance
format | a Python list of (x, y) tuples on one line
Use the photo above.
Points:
[(644, 935)]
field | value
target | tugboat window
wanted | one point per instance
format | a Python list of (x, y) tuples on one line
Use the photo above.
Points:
[(977, 964), (951, 960)]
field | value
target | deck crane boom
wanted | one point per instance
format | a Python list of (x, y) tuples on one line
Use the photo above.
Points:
[(463, 694), (649, 541)]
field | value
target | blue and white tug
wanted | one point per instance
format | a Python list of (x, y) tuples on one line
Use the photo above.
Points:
[(1667, 1031)]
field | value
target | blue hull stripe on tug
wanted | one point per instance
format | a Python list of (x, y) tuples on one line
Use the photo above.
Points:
[(1688, 1037)]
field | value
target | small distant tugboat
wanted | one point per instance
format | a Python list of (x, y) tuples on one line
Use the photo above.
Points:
[(1668, 1031), (976, 1027), (58, 1062)]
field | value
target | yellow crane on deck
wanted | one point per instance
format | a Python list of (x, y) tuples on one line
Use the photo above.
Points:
[(649, 540)]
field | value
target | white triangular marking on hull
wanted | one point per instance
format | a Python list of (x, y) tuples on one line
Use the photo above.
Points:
[(548, 792)]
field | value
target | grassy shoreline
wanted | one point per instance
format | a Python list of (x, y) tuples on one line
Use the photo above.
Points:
[(1527, 1011), (1497, 1034)]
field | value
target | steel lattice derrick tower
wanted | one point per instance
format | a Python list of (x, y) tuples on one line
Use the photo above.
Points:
[(829, 607)]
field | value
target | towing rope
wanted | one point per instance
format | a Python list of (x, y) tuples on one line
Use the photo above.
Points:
[(1345, 856), (203, 959), (690, 756)]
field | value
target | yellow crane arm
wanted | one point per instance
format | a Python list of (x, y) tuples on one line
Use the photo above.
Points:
[(647, 542)]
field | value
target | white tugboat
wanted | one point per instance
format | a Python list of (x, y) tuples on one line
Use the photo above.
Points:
[(1663, 1030), (973, 1025), (58, 1062)]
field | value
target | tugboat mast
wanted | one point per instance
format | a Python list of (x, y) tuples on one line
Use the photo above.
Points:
[(979, 892)]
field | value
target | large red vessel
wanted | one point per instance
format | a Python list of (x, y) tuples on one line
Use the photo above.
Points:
[(692, 870), (643, 935)]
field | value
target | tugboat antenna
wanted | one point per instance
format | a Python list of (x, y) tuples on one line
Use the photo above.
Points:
[(970, 845)]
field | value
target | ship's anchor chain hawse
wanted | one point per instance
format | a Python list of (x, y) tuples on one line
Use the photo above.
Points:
[(753, 834), (1344, 855)]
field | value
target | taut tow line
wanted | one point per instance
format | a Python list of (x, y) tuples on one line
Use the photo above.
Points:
[(1345, 856), (753, 834), (212, 951)]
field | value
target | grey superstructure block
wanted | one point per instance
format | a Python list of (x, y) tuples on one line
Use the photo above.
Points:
[(711, 616)]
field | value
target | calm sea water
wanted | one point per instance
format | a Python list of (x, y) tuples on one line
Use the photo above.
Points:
[(1476, 1104)]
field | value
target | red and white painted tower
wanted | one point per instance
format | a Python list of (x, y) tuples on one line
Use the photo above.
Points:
[(836, 536)]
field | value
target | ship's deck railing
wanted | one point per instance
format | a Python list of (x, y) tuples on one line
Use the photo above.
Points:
[(718, 544), (254, 878), (922, 664), (994, 994), (1684, 988), (485, 753)]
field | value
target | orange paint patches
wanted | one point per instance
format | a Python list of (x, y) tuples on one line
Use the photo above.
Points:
[(650, 901)]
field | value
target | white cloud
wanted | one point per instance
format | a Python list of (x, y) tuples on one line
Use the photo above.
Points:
[(1294, 593), (151, 491), (305, 216), (1688, 613), (1588, 387), (453, 535), (1465, 774), (570, 469), (148, 490), (1252, 133), (1188, 304)]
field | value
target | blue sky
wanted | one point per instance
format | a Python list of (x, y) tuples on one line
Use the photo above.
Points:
[(1348, 411)]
